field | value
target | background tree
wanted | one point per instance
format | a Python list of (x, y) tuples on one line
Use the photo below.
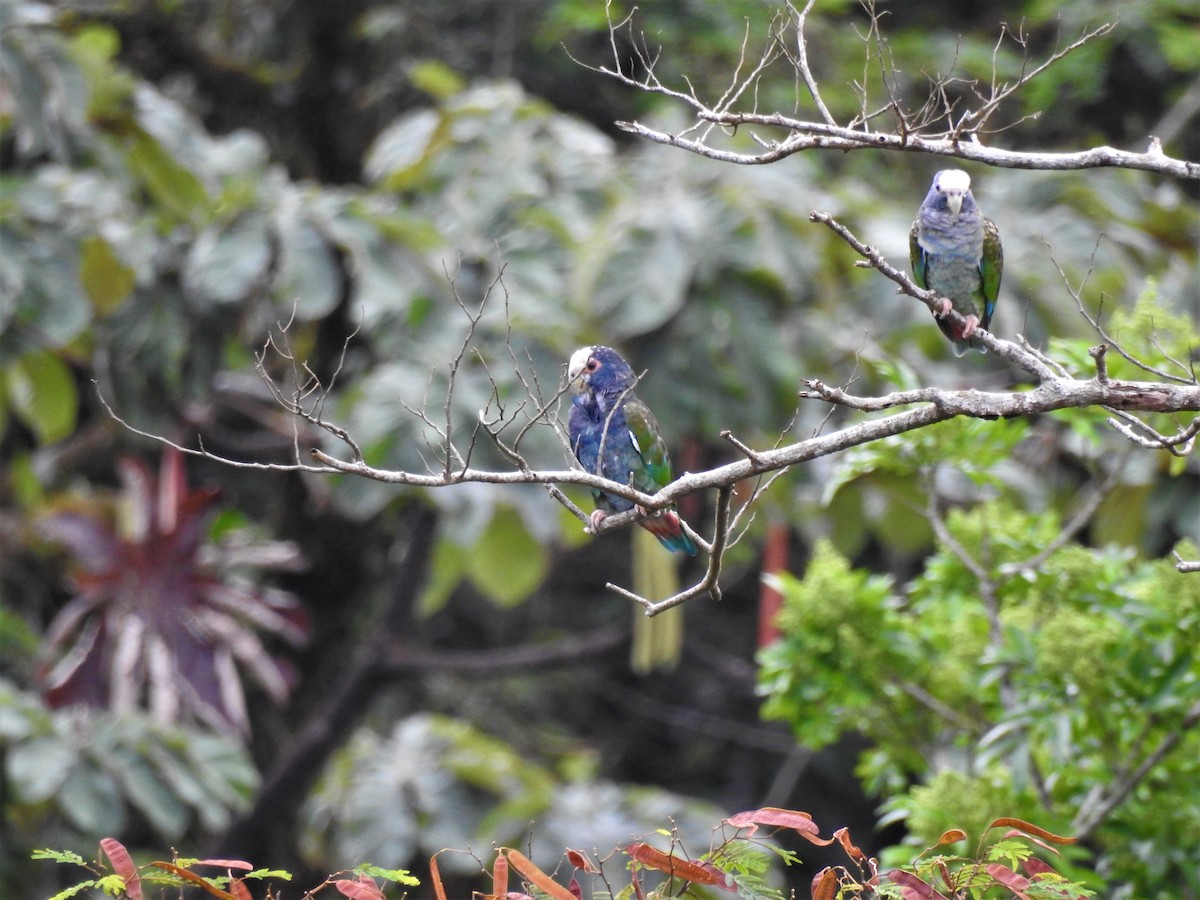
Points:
[(179, 181)]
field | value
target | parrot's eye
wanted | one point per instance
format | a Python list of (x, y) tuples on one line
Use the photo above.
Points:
[(592, 365)]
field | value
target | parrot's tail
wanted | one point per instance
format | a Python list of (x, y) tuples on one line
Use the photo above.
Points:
[(669, 531)]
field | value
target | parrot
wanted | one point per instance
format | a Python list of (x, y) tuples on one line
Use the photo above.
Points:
[(614, 434), (955, 251)]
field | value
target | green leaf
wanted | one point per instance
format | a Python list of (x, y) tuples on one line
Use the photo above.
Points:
[(91, 801), (148, 793), (105, 884), (399, 154), (399, 876), (228, 261), (449, 565), (106, 280), (62, 856), (172, 187), (308, 274), (37, 768), (507, 563), (42, 392), (436, 79)]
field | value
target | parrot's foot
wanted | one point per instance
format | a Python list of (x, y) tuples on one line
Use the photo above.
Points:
[(595, 519), (972, 324), (946, 307)]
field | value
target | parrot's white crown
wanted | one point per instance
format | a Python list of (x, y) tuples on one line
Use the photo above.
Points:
[(578, 360), (954, 181)]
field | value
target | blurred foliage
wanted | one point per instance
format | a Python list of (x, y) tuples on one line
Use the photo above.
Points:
[(181, 181), (435, 783), (78, 774)]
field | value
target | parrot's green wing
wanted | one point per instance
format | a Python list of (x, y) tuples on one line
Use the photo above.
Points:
[(647, 441), (916, 258), (991, 266)]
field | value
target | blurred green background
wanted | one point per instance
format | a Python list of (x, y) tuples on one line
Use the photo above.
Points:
[(181, 179)]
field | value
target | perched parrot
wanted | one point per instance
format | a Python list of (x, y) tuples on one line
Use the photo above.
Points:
[(955, 251), (614, 434)]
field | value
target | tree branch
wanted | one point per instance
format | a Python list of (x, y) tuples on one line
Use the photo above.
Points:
[(913, 132)]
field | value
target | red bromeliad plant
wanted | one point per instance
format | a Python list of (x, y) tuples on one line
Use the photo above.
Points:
[(158, 617)]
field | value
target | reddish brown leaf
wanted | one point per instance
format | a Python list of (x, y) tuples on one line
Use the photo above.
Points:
[(123, 865), (238, 888), (842, 836), (825, 884), (800, 822), (673, 865), (580, 860), (953, 836), (439, 890), (536, 876), (1028, 829), (362, 888), (1014, 881), (203, 883), (575, 889), (771, 815), (913, 888), (500, 876), (225, 864), (1035, 866)]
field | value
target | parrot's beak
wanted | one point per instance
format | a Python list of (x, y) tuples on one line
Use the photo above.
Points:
[(954, 200)]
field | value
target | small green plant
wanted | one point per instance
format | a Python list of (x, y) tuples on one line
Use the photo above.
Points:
[(128, 880), (738, 862)]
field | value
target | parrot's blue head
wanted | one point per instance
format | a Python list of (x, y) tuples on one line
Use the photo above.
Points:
[(601, 370)]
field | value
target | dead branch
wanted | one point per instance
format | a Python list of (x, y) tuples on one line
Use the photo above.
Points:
[(937, 127)]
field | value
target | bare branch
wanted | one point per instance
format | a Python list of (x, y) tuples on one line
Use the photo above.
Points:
[(915, 132), (1184, 566), (820, 136)]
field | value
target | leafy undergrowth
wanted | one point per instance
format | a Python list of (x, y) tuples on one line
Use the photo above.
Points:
[(738, 863)]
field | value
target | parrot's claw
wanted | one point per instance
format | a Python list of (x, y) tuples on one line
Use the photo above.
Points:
[(972, 324), (595, 519), (946, 307)]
